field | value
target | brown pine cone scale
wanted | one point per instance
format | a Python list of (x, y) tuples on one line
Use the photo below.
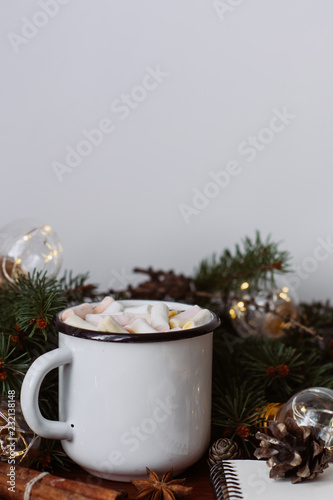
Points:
[(223, 449), (293, 451)]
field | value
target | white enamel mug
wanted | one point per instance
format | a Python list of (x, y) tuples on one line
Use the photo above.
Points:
[(127, 401)]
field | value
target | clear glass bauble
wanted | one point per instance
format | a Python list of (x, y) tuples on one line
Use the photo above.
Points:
[(313, 407), (28, 244), (262, 311)]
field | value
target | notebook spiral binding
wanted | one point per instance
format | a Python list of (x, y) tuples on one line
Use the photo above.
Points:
[(224, 482)]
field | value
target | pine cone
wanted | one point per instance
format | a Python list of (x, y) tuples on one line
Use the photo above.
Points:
[(293, 451), (222, 449)]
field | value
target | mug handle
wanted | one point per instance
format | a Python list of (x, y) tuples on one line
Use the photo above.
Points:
[(50, 429)]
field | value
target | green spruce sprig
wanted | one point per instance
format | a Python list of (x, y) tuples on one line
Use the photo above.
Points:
[(13, 365), (37, 300), (239, 411), (257, 261), (76, 289), (273, 366), (51, 457)]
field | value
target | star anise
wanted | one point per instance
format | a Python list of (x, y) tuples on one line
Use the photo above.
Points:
[(167, 489)]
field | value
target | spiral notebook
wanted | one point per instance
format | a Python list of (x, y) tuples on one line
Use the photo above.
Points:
[(249, 480)]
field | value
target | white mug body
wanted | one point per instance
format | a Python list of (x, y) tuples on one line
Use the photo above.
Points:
[(133, 406), (130, 402)]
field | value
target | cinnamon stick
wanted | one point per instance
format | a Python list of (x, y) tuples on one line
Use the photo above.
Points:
[(51, 487)]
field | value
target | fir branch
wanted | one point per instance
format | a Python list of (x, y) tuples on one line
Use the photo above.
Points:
[(273, 366), (239, 410), (51, 456), (48, 396), (318, 316), (317, 373), (7, 316), (75, 288), (293, 323), (37, 301), (239, 405), (257, 261), (13, 366)]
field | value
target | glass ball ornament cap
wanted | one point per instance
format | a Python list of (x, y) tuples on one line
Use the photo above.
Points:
[(26, 245), (312, 407)]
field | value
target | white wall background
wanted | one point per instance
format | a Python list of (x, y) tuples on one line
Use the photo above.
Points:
[(119, 208)]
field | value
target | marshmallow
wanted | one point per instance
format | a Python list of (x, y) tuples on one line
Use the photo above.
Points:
[(146, 318), (201, 318), (176, 322), (82, 310), (124, 318), (140, 325), (67, 313), (144, 309), (190, 312), (114, 308), (101, 306), (95, 319), (160, 317), (182, 318), (78, 322), (110, 325)]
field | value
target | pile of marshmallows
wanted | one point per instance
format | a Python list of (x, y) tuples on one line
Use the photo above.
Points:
[(112, 317)]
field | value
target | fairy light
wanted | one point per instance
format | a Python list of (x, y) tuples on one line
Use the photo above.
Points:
[(285, 289), (244, 285), (232, 313), (284, 296)]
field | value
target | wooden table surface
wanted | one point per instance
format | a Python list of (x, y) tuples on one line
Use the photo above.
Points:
[(196, 476)]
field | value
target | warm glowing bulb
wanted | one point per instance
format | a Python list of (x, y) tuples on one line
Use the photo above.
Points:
[(240, 304), (244, 285), (285, 289), (284, 296), (47, 228), (232, 313)]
